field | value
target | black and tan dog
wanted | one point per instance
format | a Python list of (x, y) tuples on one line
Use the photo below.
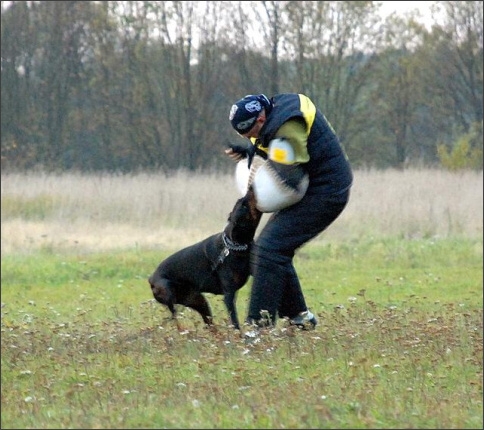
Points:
[(218, 264)]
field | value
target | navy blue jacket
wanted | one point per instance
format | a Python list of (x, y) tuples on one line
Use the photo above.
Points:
[(328, 166)]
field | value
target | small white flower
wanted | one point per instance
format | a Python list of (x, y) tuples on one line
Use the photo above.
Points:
[(251, 334)]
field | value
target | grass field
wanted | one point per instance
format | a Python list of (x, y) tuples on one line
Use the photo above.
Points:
[(396, 284)]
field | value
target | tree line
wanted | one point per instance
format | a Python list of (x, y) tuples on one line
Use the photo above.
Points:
[(129, 85)]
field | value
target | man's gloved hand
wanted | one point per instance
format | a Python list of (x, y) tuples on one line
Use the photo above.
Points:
[(239, 152)]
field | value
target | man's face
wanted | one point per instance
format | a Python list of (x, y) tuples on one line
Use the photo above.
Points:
[(254, 131)]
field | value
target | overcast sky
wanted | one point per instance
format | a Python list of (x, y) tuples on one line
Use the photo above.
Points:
[(403, 7)]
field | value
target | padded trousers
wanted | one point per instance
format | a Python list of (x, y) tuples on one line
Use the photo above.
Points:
[(275, 284)]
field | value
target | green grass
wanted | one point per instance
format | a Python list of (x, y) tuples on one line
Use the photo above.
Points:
[(398, 345)]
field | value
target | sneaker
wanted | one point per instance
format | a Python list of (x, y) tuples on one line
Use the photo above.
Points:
[(305, 320)]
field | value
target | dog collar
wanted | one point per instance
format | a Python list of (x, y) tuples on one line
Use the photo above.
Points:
[(230, 245)]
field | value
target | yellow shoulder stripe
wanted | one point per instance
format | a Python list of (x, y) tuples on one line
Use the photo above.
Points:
[(309, 111)]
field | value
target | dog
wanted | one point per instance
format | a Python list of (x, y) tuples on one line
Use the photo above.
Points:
[(219, 264)]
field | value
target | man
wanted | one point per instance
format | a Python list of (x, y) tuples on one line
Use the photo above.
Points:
[(298, 142)]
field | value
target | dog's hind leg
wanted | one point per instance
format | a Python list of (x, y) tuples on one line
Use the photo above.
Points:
[(199, 303)]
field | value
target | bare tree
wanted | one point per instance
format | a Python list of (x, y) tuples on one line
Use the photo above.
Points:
[(331, 44), (457, 50)]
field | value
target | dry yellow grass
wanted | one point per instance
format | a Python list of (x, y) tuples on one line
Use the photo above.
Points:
[(414, 203), (99, 212)]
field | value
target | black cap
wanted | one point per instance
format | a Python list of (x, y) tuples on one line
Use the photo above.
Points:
[(244, 113)]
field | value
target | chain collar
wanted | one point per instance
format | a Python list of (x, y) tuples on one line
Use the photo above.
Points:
[(230, 245)]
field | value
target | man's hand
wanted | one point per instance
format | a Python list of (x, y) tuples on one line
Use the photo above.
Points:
[(236, 152), (239, 152)]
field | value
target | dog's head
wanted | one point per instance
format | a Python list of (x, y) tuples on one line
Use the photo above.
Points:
[(244, 219)]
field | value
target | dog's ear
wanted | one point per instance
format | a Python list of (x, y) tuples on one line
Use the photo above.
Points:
[(250, 195), (252, 202)]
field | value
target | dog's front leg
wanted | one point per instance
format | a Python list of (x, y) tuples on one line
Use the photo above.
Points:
[(229, 300)]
